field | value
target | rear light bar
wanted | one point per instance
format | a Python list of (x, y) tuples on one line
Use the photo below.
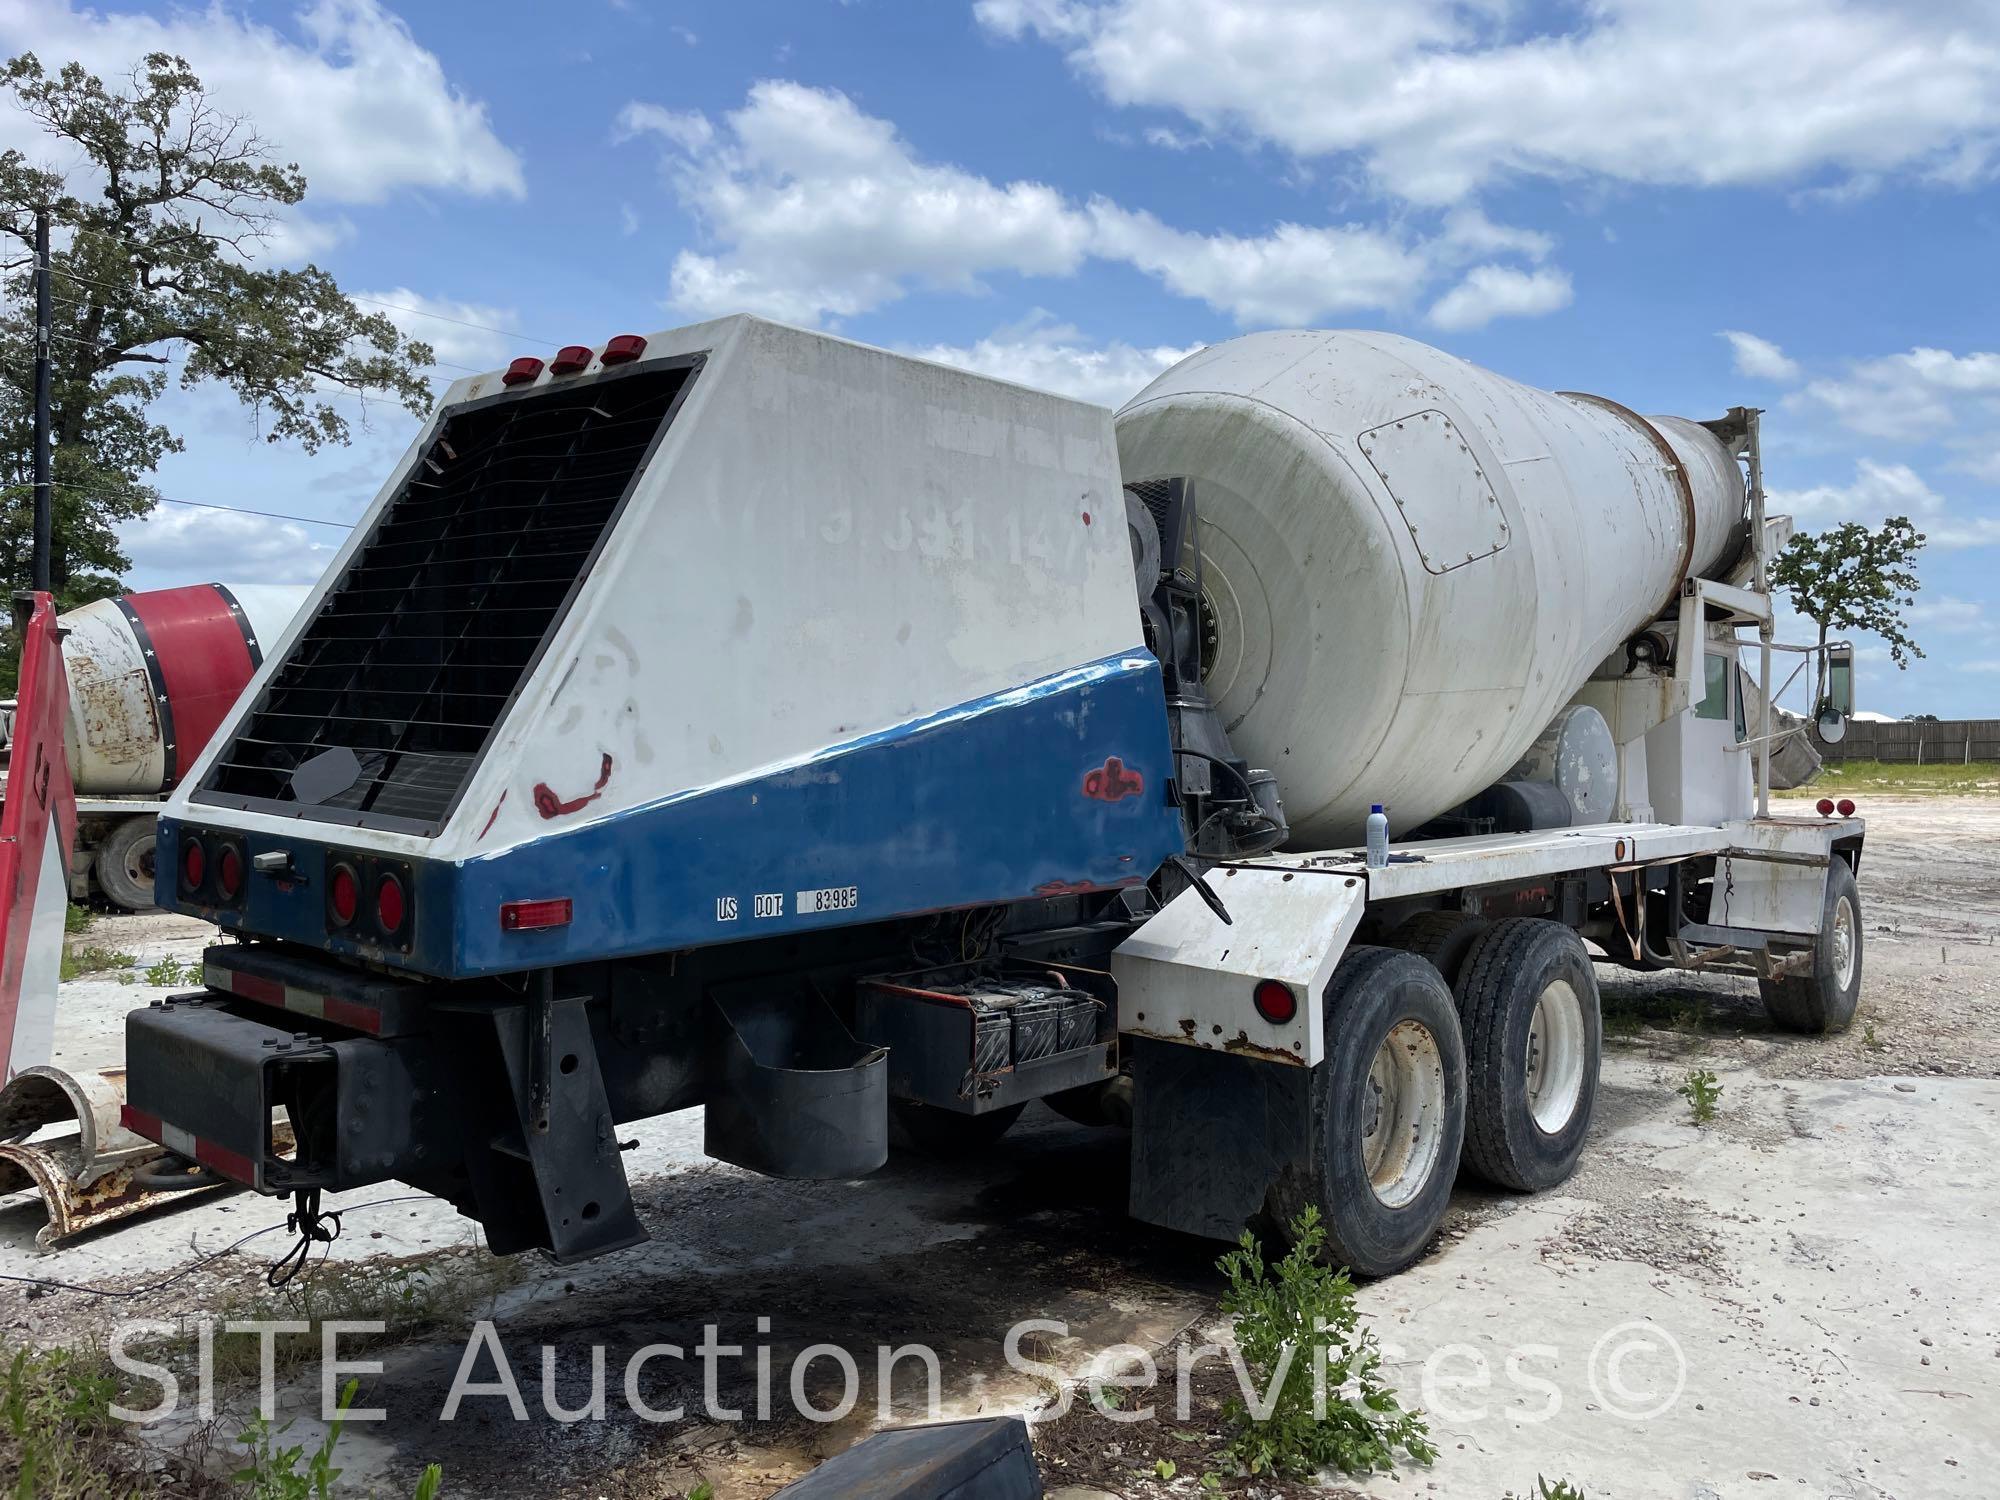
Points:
[(533, 916), (1827, 807), (522, 370), (574, 357)]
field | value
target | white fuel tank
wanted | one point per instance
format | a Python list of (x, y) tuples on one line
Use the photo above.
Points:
[(1413, 563)]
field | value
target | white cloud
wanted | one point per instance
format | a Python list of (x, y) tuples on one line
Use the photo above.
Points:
[(178, 544), (1490, 292), (1879, 490), (1291, 275), (1760, 359), (1055, 357), (1949, 615), (1907, 396), (1438, 97), (362, 108), (459, 333), (818, 211)]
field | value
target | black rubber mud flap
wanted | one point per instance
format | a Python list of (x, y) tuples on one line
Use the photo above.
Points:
[(1210, 1134)]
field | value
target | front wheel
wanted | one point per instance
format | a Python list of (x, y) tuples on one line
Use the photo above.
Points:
[(1824, 1000), (1388, 1113)]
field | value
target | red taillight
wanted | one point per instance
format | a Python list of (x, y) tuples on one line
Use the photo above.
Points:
[(573, 357), (530, 916), (194, 865), (623, 349), (522, 370), (1846, 807), (1825, 806), (1275, 1001), (390, 908), (343, 894), (229, 872)]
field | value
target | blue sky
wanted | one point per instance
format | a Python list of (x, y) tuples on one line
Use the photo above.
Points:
[(1682, 204)]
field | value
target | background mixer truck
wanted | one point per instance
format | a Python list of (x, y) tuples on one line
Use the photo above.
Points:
[(150, 675), (742, 717)]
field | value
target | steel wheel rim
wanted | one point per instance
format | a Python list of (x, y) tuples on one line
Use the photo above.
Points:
[(1402, 1133), (1844, 954), (1555, 1061), (139, 862)]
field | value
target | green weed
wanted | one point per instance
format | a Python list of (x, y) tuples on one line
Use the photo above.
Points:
[(1701, 1091)]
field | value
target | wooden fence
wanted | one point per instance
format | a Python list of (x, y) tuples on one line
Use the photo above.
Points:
[(1947, 741)]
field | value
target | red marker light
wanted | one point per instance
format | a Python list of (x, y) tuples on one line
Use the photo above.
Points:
[(623, 349), (572, 358), (343, 894), (522, 370), (1275, 1001), (194, 865), (532, 916), (1825, 806), (1846, 806), (229, 872), (390, 907)]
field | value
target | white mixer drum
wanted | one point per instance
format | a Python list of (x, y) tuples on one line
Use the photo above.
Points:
[(1413, 563)]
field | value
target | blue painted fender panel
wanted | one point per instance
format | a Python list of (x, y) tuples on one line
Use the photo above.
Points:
[(1053, 787)]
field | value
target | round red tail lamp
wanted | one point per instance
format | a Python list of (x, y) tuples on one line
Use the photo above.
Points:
[(1846, 806), (229, 872), (390, 906), (343, 894), (1825, 806), (194, 865), (1275, 1001)]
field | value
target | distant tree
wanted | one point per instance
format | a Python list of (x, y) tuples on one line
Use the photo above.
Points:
[(1920, 718), (1851, 578), (158, 214)]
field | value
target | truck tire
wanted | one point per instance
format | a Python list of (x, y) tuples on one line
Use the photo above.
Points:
[(1824, 1000), (1388, 1113), (124, 864), (945, 1133), (1528, 1002), (1443, 937)]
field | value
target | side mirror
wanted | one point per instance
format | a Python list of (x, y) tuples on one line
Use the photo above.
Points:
[(1838, 706), (1831, 726)]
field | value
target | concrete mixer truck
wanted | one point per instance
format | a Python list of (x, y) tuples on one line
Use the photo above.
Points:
[(150, 676), (741, 717)]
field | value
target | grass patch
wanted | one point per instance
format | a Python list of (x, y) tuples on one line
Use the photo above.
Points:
[(77, 918), (58, 1439), (88, 958), (1947, 779)]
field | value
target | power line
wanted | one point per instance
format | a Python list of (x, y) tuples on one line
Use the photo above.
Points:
[(237, 510)]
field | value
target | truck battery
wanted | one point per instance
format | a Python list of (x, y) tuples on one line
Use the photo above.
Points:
[(992, 1036), (1078, 1020), (1037, 1025)]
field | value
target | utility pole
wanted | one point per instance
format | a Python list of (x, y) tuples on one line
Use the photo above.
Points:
[(44, 321)]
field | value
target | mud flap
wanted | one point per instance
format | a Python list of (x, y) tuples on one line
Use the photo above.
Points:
[(1210, 1133)]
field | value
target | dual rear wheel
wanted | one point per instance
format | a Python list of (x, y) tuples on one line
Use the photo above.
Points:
[(1499, 1077)]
